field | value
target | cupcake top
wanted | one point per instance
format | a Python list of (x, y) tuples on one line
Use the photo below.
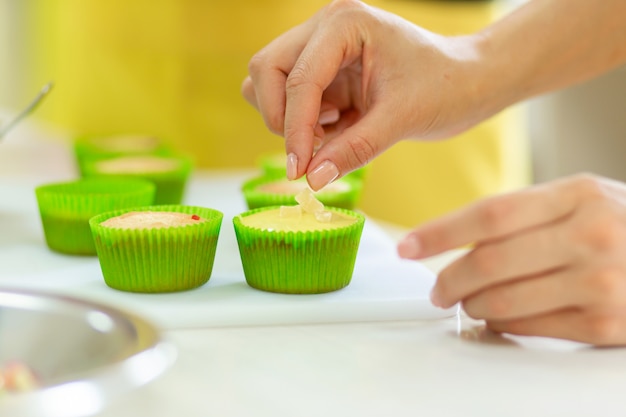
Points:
[(151, 220), (285, 186), (137, 164), (126, 143), (308, 215), (276, 220)]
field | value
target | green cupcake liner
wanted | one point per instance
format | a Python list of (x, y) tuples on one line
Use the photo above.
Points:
[(170, 185), (92, 147), (157, 260), (66, 207), (310, 262), (273, 165), (256, 198)]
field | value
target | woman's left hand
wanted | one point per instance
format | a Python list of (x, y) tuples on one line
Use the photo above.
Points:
[(549, 260)]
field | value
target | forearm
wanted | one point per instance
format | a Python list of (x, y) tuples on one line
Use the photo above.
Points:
[(546, 45)]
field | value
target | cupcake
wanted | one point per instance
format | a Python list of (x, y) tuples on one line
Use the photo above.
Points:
[(99, 147), (270, 191), (299, 249), (169, 173), (157, 248), (65, 208)]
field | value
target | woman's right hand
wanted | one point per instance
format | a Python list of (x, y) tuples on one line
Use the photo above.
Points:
[(353, 80)]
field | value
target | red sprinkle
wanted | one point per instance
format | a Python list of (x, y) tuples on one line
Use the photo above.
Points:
[(195, 217)]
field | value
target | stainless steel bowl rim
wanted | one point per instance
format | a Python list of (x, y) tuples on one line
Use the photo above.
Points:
[(88, 393)]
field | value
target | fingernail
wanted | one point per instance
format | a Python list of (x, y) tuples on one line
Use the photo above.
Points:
[(409, 247), (435, 298), (292, 166), (323, 175), (328, 117)]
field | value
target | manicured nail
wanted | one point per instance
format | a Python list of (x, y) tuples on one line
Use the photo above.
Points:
[(323, 175), (409, 247), (435, 298), (292, 166), (328, 117)]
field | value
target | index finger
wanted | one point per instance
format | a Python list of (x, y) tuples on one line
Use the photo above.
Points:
[(496, 217), (316, 68), (264, 87)]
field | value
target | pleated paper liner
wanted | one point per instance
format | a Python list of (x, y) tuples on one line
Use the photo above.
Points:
[(155, 260), (66, 207), (303, 262), (94, 147), (170, 184), (344, 193)]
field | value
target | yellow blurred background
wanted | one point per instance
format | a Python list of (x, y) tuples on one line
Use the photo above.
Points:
[(174, 68)]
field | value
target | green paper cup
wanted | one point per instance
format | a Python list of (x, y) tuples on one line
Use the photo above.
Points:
[(273, 164), (157, 259), (89, 148), (298, 262), (268, 191), (169, 173), (65, 208)]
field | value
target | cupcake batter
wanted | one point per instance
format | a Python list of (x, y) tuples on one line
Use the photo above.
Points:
[(151, 219)]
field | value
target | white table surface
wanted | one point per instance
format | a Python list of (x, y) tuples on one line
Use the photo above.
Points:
[(429, 367)]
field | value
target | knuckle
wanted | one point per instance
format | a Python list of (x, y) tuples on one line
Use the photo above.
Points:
[(495, 214), (275, 122), (600, 232), (485, 261), (362, 150), (589, 186), (256, 63), (274, 125), (299, 76), (607, 286), (340, 6), (290, 132)]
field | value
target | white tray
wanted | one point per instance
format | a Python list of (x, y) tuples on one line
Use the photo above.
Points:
[(383, 287)]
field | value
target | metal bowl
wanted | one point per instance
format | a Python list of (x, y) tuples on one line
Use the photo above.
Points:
[(84, 354)]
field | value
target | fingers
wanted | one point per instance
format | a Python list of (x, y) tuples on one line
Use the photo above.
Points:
[(264, 88), (316, 68), (538, 295), (535, 252), (597, 291), (603, 329), (497, 217), (353, 148)]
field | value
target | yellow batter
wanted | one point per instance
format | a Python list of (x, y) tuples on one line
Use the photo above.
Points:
[(270, 220)]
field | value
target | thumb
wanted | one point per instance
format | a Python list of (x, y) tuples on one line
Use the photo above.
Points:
[(354, 148)]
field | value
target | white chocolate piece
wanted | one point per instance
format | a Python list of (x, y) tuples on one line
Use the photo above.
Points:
[(294, 212), (309, 203), (323, 216)]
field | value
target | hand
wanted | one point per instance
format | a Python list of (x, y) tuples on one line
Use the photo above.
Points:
[(353, 80), (546, 261)]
